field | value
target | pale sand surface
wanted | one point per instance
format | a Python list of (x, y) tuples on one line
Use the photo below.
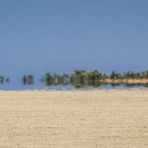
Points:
[(74, 119)]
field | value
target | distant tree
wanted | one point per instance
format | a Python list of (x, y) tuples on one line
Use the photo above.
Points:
[(114, 75), (30, 79), (79, 78), (94, 77), (82, 78), (24, 80), (27, 79), (66, 79), (132, 75), (1, 79), (144, 75), (49, 79)]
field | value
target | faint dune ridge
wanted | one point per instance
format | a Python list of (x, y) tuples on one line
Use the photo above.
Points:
[(127, 81)]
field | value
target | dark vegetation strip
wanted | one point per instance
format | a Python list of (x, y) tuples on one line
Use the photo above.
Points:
[(82, 78)]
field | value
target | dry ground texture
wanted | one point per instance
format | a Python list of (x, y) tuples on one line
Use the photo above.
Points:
[(126, 81), (74, 119)]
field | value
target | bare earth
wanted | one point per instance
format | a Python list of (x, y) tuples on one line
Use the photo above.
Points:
[(74, 119)]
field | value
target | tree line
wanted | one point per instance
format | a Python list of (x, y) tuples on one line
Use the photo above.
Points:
[(82, 78)]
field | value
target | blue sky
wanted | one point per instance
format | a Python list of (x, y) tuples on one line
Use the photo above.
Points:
[(37, 36)]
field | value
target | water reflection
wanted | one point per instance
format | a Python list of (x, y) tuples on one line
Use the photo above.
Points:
[(41, 86)]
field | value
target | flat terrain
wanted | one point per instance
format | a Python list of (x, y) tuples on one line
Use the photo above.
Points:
[(76, 119)]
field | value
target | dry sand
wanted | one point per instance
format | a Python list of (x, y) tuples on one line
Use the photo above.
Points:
[(126, 81), (76, 119)]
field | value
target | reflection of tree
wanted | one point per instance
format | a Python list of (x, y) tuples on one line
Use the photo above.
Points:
[(7, 80)]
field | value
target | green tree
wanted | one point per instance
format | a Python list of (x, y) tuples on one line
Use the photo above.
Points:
[(95, 78), (49, 79), (114, 75), (79, 78)]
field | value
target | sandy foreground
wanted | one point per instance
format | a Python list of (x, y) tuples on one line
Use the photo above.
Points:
[(74, 119)]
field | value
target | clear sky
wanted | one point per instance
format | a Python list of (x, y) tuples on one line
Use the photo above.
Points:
[(37, 36)]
